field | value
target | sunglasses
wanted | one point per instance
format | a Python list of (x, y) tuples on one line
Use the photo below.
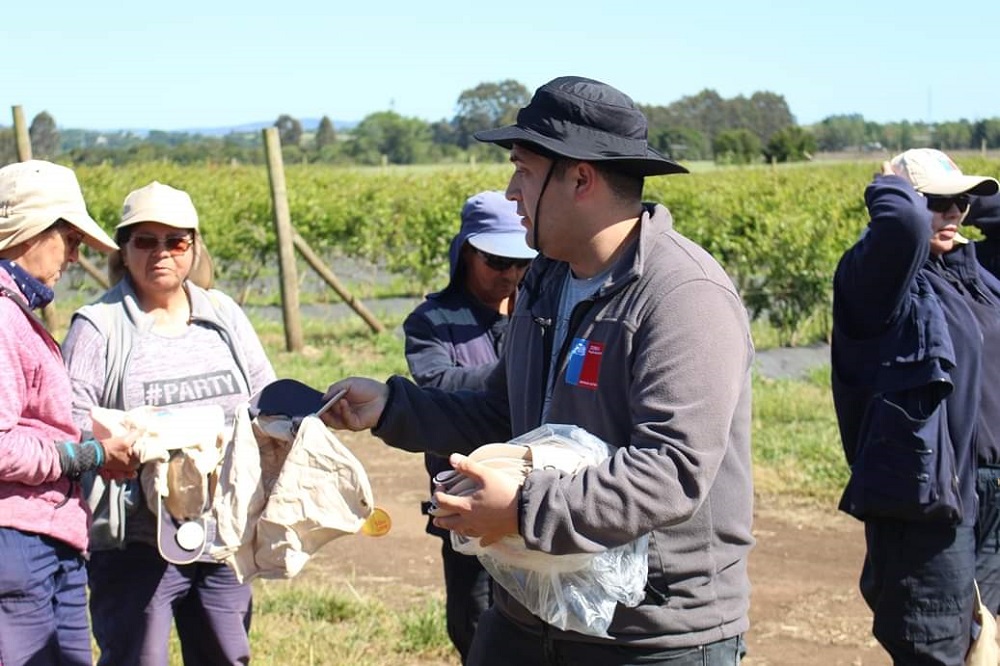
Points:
[(939, 204), (501, 264), (175, 245)]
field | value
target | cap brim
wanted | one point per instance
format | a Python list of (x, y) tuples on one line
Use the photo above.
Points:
[(504, 244), (167, 541), (652, 164), (93, 235), (286, 397), (978, 185)]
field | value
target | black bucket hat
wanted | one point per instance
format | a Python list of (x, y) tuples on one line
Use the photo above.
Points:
[(586, 120)]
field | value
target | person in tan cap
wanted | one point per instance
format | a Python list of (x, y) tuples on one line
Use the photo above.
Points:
[(157, 338), (43, 516), (916, 325)]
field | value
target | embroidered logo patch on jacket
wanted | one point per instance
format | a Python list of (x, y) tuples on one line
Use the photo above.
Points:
[(584, 364)]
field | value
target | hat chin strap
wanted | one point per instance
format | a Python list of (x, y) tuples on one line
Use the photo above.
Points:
[(538, 204)]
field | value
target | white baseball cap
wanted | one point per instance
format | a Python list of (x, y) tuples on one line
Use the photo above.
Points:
[(161, 203), (932, 172), (36, 194)]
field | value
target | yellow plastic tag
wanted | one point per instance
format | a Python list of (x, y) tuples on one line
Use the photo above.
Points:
[(378, 524)]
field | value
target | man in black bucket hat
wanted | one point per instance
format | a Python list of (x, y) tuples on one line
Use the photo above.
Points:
[(631, 331)]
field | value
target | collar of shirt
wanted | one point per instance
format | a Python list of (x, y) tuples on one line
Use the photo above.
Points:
[(35, 292)]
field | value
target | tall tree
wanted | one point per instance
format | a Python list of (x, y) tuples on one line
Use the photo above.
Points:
[(44, 136), (840, 132), (325, 134), (486, 106), (739, 146), (792, 144), (401, 140), (289, 130), (988, 131)]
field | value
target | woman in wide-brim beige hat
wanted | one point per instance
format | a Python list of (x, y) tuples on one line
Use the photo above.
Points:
[(43, 520)]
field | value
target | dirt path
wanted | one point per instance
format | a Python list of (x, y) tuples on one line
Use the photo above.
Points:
[(805, 604)]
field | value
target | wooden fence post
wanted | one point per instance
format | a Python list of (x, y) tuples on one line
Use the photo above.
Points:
[(23, 140), (286, 249), (317, 264), (21, 135)]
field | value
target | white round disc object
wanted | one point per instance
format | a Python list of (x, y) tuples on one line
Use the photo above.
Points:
[(190, 535)]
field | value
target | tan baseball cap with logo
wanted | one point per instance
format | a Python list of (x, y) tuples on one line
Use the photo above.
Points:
[(36, 194), (932, 172)]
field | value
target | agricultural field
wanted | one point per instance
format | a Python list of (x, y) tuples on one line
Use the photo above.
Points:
[(778, 231)]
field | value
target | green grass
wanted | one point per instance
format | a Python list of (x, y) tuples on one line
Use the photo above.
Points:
[(796, 444), (301, 624)]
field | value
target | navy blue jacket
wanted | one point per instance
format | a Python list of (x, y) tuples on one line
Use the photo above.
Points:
[(909, 368), (452, 343)]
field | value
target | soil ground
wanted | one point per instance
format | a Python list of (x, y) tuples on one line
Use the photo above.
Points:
[(805, 605)]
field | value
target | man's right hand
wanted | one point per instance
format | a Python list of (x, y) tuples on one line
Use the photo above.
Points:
[(360, 408)]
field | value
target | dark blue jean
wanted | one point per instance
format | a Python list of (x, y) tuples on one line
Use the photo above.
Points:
[(43, 602), (917, 579), (988, 536), (135, 597), (500, 642), (468, 590)]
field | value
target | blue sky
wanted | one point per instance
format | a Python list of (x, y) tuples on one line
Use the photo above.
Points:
[(184, 64)]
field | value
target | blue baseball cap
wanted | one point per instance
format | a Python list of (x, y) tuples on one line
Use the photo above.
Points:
[(490, 223)]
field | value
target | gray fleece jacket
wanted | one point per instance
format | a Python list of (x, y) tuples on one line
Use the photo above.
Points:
[(658, 365)]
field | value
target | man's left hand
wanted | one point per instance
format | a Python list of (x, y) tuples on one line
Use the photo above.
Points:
[(489, 513)]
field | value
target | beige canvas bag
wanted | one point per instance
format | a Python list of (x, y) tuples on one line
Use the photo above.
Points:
[(283, 492)]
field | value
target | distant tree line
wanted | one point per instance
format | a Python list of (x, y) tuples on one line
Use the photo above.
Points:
[(705, 126)]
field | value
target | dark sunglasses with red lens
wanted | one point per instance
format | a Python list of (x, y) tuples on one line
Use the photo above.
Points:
[(942, 204), (175, 245), (501, 264)]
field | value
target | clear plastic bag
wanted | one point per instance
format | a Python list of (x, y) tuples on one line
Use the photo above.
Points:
[(574, 592)]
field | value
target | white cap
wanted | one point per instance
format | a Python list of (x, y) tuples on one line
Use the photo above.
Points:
[(161, 203), (36, 194), (932, 172)]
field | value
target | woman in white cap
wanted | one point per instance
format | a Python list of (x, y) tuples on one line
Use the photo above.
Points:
[(916, 325), (43, 517), (158, 338)]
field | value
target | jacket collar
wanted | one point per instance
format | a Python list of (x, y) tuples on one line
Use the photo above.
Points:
[(202, 308), (547, 274)]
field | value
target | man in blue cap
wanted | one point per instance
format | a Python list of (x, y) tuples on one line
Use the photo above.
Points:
[(453, 341), (631, 331)]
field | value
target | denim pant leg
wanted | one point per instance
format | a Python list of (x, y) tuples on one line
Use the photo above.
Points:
[(726, 652), (500, 642), (43, 602), (917, 579), (988, 537), (213, 622), (468, 594), (132, 595)]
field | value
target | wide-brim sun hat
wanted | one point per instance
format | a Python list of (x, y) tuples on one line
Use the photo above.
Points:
[(36, 194), (932, 172), (585, 120), (161, 203)]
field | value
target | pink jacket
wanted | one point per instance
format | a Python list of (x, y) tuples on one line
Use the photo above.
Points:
[(35, 404)]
